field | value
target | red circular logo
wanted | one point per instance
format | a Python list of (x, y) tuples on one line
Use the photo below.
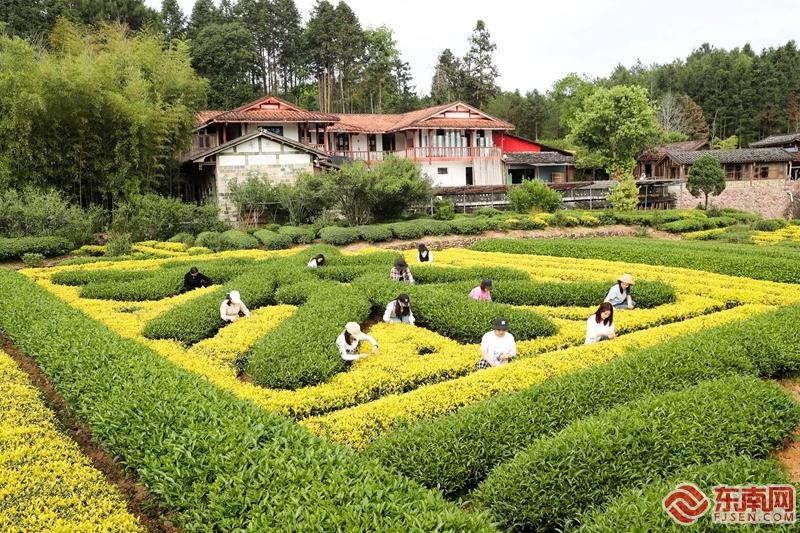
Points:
[(686, 504)]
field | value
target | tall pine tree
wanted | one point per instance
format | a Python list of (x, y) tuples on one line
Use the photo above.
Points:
[(480, 73), (173, 20), (448, 78)]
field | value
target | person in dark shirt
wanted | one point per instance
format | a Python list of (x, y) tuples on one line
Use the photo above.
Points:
[(194, 280)]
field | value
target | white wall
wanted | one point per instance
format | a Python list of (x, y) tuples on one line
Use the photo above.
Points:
[(290, 130), (456, 173)]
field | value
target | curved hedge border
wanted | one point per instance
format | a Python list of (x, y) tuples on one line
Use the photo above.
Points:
[(732, 259), (272, 240), (634, 443), (218, 462), (47, 246), (581, 293), (455, 452), (641, 509)]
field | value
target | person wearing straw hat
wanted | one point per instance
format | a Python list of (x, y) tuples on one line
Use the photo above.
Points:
[(398, 311), (497, 346), (400, 271), (483, 292), (348, 341), (620, 294), (231, 306), (424, 255)]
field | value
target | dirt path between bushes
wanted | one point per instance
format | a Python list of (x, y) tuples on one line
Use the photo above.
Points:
[(789, 456), (462, 241), (138, 500)]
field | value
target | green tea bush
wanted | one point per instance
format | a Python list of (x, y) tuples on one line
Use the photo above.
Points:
[(684, 225), (272, 240), (444, 210), (412, 229), (770, 224), (47, 246), (581, 293), (203, 450), (82, 277), (119, 244), (455, 452), (641, 509), (184, 237), (209, 239), (234, 239), (471, 226), (375, 233), (634, 443), (488, 212), (199, 250), (32, 259), (299, 234), (338, 236)]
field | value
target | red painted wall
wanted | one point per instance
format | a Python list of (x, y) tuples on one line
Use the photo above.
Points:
[(514, 144)]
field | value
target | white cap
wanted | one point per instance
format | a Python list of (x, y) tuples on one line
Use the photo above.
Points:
[(355, 330), (235, 297)]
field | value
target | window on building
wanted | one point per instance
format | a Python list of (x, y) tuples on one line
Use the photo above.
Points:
[(469, 176), (342, 142), (277, 130), (763, 172), (372, 140), (733, 172), (441, 170)]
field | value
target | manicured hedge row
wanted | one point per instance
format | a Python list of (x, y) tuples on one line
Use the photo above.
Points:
[(641, 509), (339, 236), (582, 293), (732, 259), (82, 277), (299, 234), (272, 240), (456, 452), (302, 350), (375, 233), (698, 223), (233, 239), (433, 274), (634, 443), (164, 282), (216, 462), (47, 246), (199, 318)]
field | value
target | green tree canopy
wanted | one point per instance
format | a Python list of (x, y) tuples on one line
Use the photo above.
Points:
[(614, 126), (707, 177)]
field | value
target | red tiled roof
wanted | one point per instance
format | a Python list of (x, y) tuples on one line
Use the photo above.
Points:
[(204, 116), (273, 115), (421, 118)]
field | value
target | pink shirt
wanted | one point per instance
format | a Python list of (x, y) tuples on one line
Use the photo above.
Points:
[(479, 294)]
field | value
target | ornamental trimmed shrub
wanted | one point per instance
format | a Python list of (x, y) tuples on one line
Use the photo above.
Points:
[(272, 240), (375, 233), (339, 236), (634, 443), (581, 293), (47, 246), (184, 237), (770, 224), (471, 226), (455, 452), (234, 239), (32, 259), (299, 234), (209, 239)]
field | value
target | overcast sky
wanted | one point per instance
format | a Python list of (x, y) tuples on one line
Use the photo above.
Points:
[(540, 42)]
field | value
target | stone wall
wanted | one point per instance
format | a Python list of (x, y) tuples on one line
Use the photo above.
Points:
[(770, 197), (275, 174)]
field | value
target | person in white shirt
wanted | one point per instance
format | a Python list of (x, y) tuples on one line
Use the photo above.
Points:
[(600, 326), (398, 311), (497, 346), (423, 254), (231, 306), (620, 294), (348, 341), (316, 261)]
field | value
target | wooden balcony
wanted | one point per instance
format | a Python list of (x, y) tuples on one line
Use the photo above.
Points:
[(427, 153)]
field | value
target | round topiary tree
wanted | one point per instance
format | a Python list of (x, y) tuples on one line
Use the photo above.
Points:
[(706, 176)]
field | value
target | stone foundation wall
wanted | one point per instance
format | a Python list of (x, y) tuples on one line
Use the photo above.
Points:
[(275, 174), (769, 197)]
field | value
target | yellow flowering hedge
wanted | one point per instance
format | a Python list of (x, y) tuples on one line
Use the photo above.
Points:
[(789, 233), (46, 483), (420, 374)]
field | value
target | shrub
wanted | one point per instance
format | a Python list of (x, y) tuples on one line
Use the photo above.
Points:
[(444, 210), (338, 236), (534, 194), (642, 509), (706, 176), (685, 225), (589, 220), (624, 195), (272, 240), (488, 212), (298, 234), (375, 233), (234, 239), (434, 453), (770, 224), (411, 230), (151, 216), (184, 237), (47, 246), (119, 244), (703, 235), (162, 409), (633, 444), (469, 226), (199, 250), (33, 259), (581, 293), (209, 239)]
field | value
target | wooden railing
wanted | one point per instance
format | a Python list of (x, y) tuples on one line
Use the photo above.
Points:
[(427, 152)]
